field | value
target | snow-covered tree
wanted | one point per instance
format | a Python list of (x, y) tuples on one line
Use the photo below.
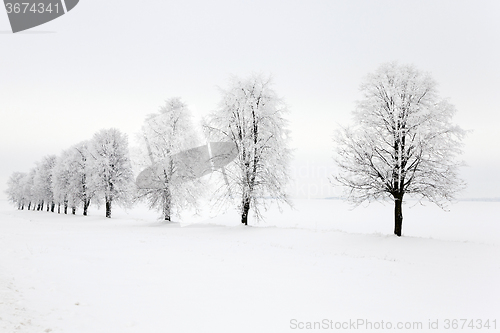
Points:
[(43, 182), (81, 161), (28, 189), (15, 189), (61, 174), (110, 168), (35, 188), (403, 142), (71, 175), (251, 116), (164, 134)]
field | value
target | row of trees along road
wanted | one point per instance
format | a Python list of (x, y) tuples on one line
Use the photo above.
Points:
[(97, 170), (403, 142)]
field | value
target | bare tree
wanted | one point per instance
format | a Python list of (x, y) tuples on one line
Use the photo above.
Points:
[(403, 142), (251, 116), (164, 134)]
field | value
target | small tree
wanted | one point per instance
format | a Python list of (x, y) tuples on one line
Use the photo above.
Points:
[(164, 134), (71, 176), (36, 187), (28, 189), (81, 167), (61, 175), (15, 189), (251, 116), (110, 168), (403, 142), (43, 182)]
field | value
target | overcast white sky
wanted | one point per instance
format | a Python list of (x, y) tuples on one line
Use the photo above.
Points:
[(109, 63)]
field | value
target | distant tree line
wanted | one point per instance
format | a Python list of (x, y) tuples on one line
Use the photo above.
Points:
[(98, 170)]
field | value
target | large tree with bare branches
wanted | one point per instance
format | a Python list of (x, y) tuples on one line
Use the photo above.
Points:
[(165, 134), (252, 116), (403, 142)]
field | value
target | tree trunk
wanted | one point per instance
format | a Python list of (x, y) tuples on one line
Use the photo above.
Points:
[(73, 210), (29, 205), (48, 206), (65, 206), (167, 205), (109, 199), (398, 214), (59, 208), (86, 204), (108, 207), (52, 206), (166, 194), (244, 211), (86, 200)]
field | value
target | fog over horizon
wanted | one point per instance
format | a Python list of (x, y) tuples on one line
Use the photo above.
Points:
[(110, 64)]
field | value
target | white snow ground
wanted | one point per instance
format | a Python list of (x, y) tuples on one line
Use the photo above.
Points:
[(318, 263)]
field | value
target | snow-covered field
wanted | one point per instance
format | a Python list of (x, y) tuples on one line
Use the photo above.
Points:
[(321, 262)]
